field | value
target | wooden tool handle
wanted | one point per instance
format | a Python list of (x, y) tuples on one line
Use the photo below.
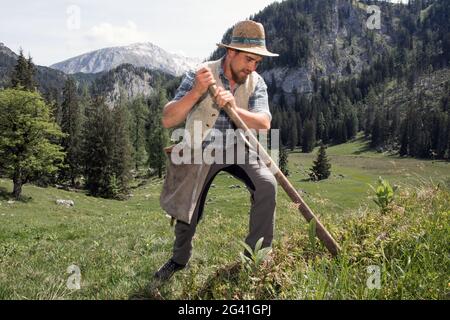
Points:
[(307, 213)]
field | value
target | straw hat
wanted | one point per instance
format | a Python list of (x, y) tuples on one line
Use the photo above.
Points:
[(249, 36)]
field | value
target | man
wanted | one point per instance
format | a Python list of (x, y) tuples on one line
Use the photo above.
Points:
[(186, 185)]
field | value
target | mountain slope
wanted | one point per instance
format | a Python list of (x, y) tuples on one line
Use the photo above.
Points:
[(318, 39), (128, 80), (332, 66), (48, 79), (140, 55), (134, 81)]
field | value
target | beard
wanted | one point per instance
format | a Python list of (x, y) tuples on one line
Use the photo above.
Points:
[(239, 76)]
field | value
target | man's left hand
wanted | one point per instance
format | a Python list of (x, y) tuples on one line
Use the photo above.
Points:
[(224, 97)]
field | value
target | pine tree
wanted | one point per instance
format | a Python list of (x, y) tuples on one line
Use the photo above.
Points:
[(98, 149), (20, 71), (139, 114), (299, 128), (272, 86), (340, 131), (404, 139), (121, 158), (352, 124), (321, 166), (71, 124), (107, 149), (293, 141), (395, 123), (309, 137), (377, 131), (30, 83), (447, 149), (284, 127), (23, 75), (320, 126), (52, 99), (158, 136), (84, 100), (369, 113)]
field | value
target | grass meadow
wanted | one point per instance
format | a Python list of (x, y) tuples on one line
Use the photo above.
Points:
[(118, 245)]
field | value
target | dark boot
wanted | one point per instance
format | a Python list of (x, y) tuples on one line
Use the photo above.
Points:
[(167, 270)]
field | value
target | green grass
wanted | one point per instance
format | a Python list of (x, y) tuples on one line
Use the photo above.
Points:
[(119, 244)]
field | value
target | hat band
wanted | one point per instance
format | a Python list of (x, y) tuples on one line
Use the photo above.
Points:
[(254, 41)]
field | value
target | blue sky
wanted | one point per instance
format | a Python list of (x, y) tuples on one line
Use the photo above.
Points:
[(54, 30)]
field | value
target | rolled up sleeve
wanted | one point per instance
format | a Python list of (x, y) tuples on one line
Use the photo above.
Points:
[(186, 85), (259, 100)]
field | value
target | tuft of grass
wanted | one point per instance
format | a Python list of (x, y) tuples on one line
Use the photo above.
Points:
[(255, 257), (384, 195)]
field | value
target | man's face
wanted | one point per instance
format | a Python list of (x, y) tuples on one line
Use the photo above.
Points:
[(243, 64)]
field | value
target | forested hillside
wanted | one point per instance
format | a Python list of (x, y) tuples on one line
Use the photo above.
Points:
[(331, 66)]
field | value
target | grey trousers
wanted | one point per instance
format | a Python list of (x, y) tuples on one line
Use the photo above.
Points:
[(263, 189)]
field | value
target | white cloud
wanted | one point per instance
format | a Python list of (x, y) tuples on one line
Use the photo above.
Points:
[(101, 35), (107, 34)]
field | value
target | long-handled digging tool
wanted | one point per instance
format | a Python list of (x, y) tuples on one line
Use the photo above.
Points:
[(307, 213)]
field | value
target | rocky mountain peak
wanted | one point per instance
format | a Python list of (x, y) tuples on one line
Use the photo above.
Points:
[(144, 54)]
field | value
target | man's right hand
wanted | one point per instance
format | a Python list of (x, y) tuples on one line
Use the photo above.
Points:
[(203, 79), (175, 112)]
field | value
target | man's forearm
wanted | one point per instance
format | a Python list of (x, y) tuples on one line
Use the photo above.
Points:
[(175, 112), (254, 120)]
